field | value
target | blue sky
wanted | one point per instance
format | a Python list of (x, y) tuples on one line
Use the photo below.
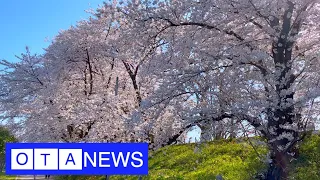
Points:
[(30, 23)]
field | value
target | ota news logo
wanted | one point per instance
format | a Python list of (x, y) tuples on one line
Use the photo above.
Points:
[(77, 158)]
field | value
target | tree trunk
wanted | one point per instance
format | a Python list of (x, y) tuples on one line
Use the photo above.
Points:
[(278, 168), (205, 134), (2, 164)]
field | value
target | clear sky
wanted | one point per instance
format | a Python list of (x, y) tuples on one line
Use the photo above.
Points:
[(30, 22)]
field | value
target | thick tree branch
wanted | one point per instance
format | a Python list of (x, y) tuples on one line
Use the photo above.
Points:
[(252, 120)]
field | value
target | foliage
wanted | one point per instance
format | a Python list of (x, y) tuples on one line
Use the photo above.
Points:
[(5, 136), (308, 164)]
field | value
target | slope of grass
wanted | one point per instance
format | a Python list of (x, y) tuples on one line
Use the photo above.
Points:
[(231, 159), (234, 159)]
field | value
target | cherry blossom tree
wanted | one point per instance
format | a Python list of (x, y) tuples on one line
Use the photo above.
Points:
[(260, 58), (93, 86), (22, 85)]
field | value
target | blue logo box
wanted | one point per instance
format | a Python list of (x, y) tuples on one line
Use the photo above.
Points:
[(77, 158)]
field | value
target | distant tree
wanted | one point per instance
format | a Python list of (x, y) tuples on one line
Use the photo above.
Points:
[(5, 136)]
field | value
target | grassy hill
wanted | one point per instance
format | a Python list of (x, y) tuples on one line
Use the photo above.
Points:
[(233, 159)]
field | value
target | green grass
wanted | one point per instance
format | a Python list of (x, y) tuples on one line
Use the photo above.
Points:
[(231, 159), (234, 159), (5, 177)]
